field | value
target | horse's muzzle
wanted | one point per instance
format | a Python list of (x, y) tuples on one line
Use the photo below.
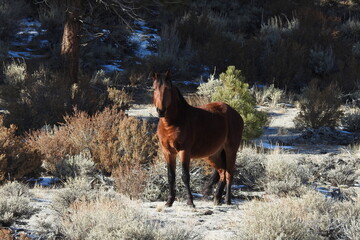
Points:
[(161, 112)]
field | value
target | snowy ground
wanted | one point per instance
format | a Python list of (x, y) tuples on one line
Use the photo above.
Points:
[(206, 220)]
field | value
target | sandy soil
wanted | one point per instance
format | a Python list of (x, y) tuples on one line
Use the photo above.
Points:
[(206, 220)]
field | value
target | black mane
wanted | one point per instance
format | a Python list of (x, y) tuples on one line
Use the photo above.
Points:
[(181, 97)]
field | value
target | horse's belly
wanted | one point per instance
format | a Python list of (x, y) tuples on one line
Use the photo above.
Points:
[(208, 144)]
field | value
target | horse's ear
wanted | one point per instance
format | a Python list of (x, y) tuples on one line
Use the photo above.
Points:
[(154, 76), (167, 76)]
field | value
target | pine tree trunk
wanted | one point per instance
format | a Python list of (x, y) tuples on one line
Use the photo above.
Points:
[(70, 47)]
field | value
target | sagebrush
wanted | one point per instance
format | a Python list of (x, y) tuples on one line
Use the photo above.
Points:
[(319, 107), (17, 158), (311, 216), (14, 203), (109, 136)]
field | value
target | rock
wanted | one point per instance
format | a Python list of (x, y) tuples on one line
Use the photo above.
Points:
[(208, 212)]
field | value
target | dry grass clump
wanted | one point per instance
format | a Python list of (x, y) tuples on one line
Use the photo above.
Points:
[(85, 213), (335, 170), (268, 95), (284, 175), (310, 217), (351, 119), (109, 136), (81, 165), (14, 203), (15, 73), (114, 218), (250, 165), (17, 159), (131, 179), (319, 108), (120, 98), (74, 190)]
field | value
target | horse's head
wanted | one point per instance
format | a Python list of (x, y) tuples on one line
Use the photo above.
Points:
[(162, 92)]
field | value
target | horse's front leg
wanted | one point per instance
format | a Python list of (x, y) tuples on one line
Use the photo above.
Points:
[(185, 162), (171, 166)]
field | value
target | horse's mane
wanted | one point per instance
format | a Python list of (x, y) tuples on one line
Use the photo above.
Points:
[(181, 97)]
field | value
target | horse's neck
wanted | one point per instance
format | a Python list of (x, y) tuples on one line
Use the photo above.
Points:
[(178, 109)]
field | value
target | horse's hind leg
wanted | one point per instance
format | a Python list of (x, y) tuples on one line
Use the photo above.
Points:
[(230, 165), (220, 188), (218, 161), (209, 186)]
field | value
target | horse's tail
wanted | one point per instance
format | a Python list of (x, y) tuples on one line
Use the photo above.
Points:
[(223, 158)]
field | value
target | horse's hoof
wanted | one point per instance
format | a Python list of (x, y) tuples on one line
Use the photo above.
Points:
[(192, 205), (217, 202), (169, 203), (228, 203)]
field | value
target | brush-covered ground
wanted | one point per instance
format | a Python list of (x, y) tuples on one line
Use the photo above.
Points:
[(290, 184)]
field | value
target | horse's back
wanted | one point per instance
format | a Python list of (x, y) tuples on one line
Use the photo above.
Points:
[(232, 123)]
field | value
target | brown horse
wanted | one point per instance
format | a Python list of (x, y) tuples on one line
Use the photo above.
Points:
[(212, 132)]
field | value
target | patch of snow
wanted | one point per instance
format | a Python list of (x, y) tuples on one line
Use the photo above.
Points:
[(142, 37), (111, 68), (187, 83), (270, 146), (238, 186), (44, 181), (271, 128), (25, 55), (44, 43), (41, 200), (28, 22), (346, 132), (197, 195)]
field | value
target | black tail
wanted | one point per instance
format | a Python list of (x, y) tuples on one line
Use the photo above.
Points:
[(223, 157)]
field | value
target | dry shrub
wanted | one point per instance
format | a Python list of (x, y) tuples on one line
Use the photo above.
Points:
[(250, 165), (41, 97), (335, 170), (33, 99), (75, 189), (15, 72), (109, 136), (14, 203), (128, 140), (131, 179), (17, 159), (351, 119), (310, 217), (268, 95), (10, 12), (319, 107), (120, 98), (85, 213), (114, 218), (81, 165), (284, 175), (52, 14)]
